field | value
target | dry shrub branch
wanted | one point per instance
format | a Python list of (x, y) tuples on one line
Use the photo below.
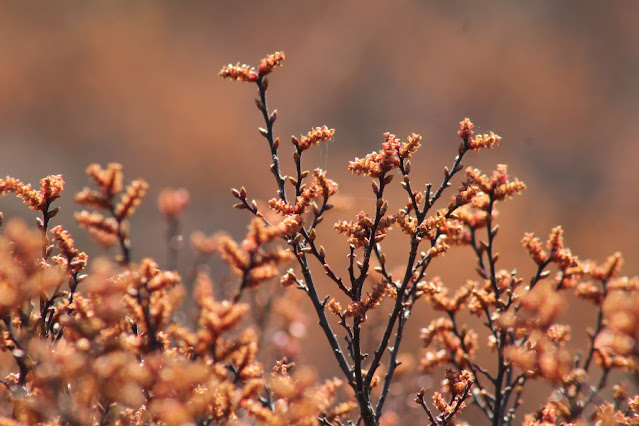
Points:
[(96, 341)]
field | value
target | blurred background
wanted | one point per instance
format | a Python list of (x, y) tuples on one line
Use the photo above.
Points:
[(136, 83)]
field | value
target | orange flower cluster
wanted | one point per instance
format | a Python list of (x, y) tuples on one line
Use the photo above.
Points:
[(359, 309), (69, 257), (487, 140), (466, 129), (535, 248), (479, 193), (109, 182), (297, 399), (322, 186), (188, 381), (113, 353), (270, 61), (249, 74), (51, 188), (377, 164), (428, 229), (544, 359), (624, 412), (543, 304), (475, 142), (524, 321), (250, 258), (457, 385), (545, 417), (410, 147), (436, 293), (131, 199), (239, 72), (498, 185), (23, 275), (571, 269), (329, 187), (450, 348), (359, 230), (313, 138), (617, 342), (103, 229), (301, 204), (465, 195), (474, 214), (545, 353), (439, 248)]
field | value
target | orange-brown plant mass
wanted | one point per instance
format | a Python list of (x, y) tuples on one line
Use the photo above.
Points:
[(94, 340)]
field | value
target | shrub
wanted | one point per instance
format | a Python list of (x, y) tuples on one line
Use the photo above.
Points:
[(98, 342)]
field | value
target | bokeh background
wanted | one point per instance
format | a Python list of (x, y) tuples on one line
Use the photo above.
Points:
[(136, 82)]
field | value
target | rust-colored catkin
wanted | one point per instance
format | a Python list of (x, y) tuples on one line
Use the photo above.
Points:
[(313, 138), (51, 188)]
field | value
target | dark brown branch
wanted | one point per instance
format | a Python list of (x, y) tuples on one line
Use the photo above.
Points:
[(262, 85)]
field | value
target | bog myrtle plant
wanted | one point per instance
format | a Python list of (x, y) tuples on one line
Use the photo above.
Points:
[(96, 340)]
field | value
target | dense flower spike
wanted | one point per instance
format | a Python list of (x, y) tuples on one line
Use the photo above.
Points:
[(51, 188), (487, 140), (131, 199), (30, 196), (249, 74), (109, 180), (119, 206), (359, 309), (104, 229), (270, 61), (498, 186), (329, 187), (305, 199), (24, 276), (411, 146), (239, 72), (359, 230), (251, 259), (534, 247), (466, 129), (377, 164), (74, 259), (313, 138), (458, 386)]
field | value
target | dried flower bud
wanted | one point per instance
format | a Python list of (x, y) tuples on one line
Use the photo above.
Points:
[(171, 202), (239, 72), (131, 199), (377, 164), (465, 129), (313, 137), (270, 61)]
